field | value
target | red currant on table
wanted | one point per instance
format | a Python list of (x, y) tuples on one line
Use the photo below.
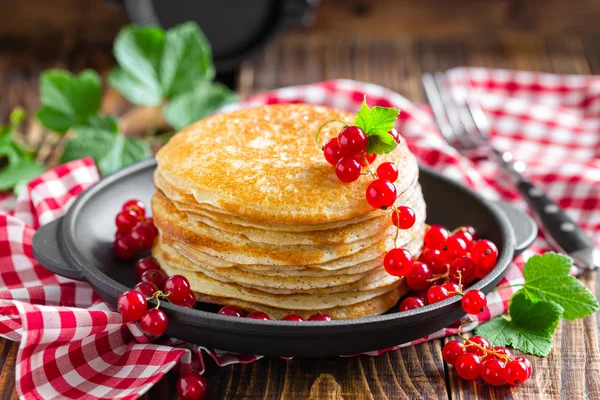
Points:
[(527, 364), (381, 194), (474, 302), (231, 311), (293, 318), (177, 287), (468, 366), (136, 206), (404, 217), (319, 317), (493, 371), (141, 238), (352, 141), (126, 221), (500, 350), (154, 322), (516, 372), (145, 264), (331, 151), (436, 293), (452, 350), (484, 254), (388, 171), (451, 287), (146, 288), (348, 169), (259, 315), (398, 262), (123, 248), (433, 259), (453, 248), (410, 303), (419, 276), (155, 276), (191, 386), (132, 305), (482, 342), (435, 237), (463, 269)]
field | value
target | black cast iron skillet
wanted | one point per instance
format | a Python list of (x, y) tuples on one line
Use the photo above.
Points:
[(79, 246)]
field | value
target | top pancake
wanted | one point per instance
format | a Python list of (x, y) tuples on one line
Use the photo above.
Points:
[(264, 164)]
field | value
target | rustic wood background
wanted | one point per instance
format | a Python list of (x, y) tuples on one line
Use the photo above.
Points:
[(386, 42)]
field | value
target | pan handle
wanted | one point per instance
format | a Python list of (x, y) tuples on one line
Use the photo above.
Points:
[(46, 251), (523, 226)]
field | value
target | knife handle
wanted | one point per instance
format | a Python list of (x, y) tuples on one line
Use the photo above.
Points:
[(565, 232)]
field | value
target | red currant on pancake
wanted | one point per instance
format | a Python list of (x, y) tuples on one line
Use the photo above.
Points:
[(293, 318), (381, 194), (484, 254), (259, 315), (231, 311), (331, 151), (132, 305), (419, 276), (493, 371), (136, 206), (154, 322), (473, 302), (388, 171), (398, 262), (410, 303), (348, 169), (369, 158), (177, 287), (452, 350), (191, 386), (126, 221), (352, 141), (395, 135), (437, 293), (468, 366), (155, 276), (146, 288), (516, 372), (404, 218), (145, 264), (435, 237), (462, 270), (123, 248), (482, 342), (319, 317), (453, 248)]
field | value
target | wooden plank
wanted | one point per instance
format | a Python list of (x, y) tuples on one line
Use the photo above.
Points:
[(8, 354)]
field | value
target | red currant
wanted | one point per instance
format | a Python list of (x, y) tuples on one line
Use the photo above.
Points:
[(500, 350), (155, 276), (468, 366), (470, 230), (136, 206), (366, 158), (259, 315), (436, 294), (388, 171), (145, 264), (453, 248), (527, 364), (419, 276), (398, 262), (141, 238), (482, 342), (462, 270), (177, 288), (231, 311), (154, 322), (191, 386), (404, 217), (132, 305), (433, 259), (126, 221), (421, 295), (319, 317), (484, 254), (331, 151), (123, 249), (292, 317), (190, 299), (452, 350), (149, 223), (435, 237), (516, 372), (410, 303), (466, 236), (395, 135), (146, 288), (381, 194), (352, 141), (474, 302), (348, 169), (451, 287), (493, 372)]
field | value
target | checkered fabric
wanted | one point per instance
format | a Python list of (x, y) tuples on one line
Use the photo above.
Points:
[(72, 345)]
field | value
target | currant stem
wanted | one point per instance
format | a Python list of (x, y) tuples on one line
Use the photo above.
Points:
[(395, 210), (327, 123), (470, 343)]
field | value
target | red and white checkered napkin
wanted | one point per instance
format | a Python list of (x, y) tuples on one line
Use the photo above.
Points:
[(74, 346)]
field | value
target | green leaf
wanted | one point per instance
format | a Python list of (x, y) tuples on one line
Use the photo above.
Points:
[(18, 174), (186, 61), (138, 51), (547, 279), (110, 152), (67, 99), (193, 106), (381, 143), (530, 328), (376, 120), (17, 115), (103, 122)]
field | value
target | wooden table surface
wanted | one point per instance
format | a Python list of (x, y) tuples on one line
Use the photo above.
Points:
[(571, 371)]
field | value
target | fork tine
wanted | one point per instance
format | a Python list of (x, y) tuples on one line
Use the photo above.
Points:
[(479, 118), (437, 106)]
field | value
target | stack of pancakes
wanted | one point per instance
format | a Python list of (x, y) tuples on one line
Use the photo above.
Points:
[(252, 214)]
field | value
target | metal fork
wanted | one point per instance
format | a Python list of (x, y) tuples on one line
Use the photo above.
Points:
[(465, 127)]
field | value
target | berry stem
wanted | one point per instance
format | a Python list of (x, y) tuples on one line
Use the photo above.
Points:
[(397, 212), (327, 123), (470, 343)]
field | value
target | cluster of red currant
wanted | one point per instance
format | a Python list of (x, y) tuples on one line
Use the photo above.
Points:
[(447, 262), (135, 232), (348, 153), (475, 357), (233, 311)]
